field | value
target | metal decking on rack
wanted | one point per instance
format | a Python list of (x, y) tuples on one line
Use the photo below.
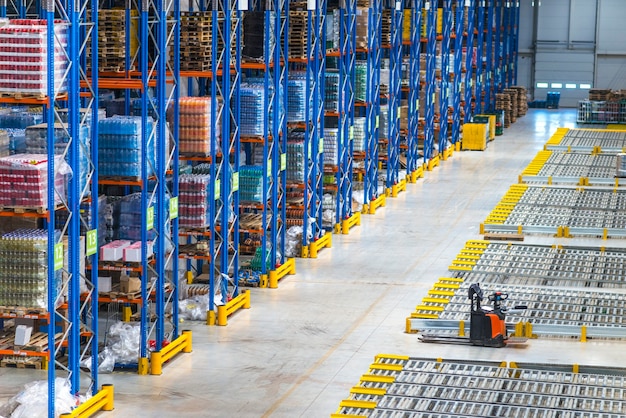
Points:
[(490, 262), (589, 140), (550, 311), (436, 388), (560, 211), (553, 167)]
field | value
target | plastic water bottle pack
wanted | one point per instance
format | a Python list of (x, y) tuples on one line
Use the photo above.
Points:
[(296, 102), (251, 183), (120, 146), (193, 200)]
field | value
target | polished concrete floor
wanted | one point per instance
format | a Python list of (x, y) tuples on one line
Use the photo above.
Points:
[(301, 347)]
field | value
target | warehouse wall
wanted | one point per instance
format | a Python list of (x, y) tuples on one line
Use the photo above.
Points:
[(571, 45)]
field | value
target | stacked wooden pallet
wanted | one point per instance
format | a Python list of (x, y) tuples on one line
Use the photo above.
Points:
[(386, 27), (522, 100), (513, 94), (503, 102), (599, 95), (112, 47), (298, 34)]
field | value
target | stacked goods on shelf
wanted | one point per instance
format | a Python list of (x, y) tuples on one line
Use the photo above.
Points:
[(127, 218), (330, 146), (385, 38), (251, 183), (328, 209), (254, 33), (37, 143), (331, 91), (194, 201), (194, 132), (296, 90), (24, 269), (297, 34), (475, 136), (253, 111), (361, 27), (24, 180), (120, 145), (522, 100), (503, 102), (24, 58), (196, 41), (360, 81), (384, 77), (112, 40), (15, 121)]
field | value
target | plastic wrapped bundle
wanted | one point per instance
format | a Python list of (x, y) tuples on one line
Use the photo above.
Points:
[(24, 57), (20, 118), (127, 218), (359, 134), (24, 268), (331, 91), (383, 119), (120, 144), (296, 90), (251, 183), (195, 127), (330, 146), (360, 82), (253, 110), (5, 143), (193, 200), (24, 180), (36, 138), (295, 157)]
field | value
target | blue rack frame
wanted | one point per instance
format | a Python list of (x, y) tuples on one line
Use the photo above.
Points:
[(457, 70), (480, 44), (394, 99), (372, 110), (498, 64), (489, 98), (431, 52), (345, 145), (469, 67), (413, 154), (445, 78)]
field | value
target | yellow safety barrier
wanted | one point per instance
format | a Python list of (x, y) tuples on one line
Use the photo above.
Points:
[(324, 242), (101, 401), (434, 162), (240, 302), (381, 201), (354, 220), (181, 344), (289, 267)]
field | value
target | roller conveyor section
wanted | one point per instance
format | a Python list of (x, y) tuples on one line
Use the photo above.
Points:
[(550, 312), (542, 266), (561, 211), (447, 388), (588, 140), (572, 168)]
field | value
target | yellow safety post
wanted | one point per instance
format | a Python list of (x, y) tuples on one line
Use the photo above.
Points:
[(263, 282), (461, 328), (126, 313), (210, 317), (189, 276), (143, 366), (222, 316), (583, 334)]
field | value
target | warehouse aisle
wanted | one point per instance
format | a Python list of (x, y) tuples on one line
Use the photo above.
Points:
[(301, 347)]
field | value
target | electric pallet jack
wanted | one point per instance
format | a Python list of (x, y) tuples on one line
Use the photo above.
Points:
[(487, 323)]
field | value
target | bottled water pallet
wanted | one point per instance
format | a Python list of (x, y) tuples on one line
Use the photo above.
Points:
[(550, 312), (540, 265), (559, 211), (397, 386), (584, 169), (587, 140)]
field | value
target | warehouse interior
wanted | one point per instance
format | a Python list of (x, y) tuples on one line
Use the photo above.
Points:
[(297, 209)]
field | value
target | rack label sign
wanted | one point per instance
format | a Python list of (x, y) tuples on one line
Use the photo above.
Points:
[(235, 181), (320, 147), (217, 189), (269, 168), (377, 121), (174, 207), (150, 218), (283, 162), (58, 256), (351, 133), (92, 242)]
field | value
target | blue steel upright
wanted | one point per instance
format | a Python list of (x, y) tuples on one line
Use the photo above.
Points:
[(372, 92), (414, 89), (456, 83), (489, 44), (480, 49), (431, 81), (469, 67), (444, 93), (395, 96)]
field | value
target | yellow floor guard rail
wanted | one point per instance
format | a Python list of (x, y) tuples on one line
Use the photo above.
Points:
[(101, 401)]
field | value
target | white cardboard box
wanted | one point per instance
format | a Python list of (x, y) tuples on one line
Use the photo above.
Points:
[(113, 251), (104, 284), (132, 253), (22, 334)]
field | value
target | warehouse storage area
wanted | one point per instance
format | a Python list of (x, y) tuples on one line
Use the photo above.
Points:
[(231, 208)]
